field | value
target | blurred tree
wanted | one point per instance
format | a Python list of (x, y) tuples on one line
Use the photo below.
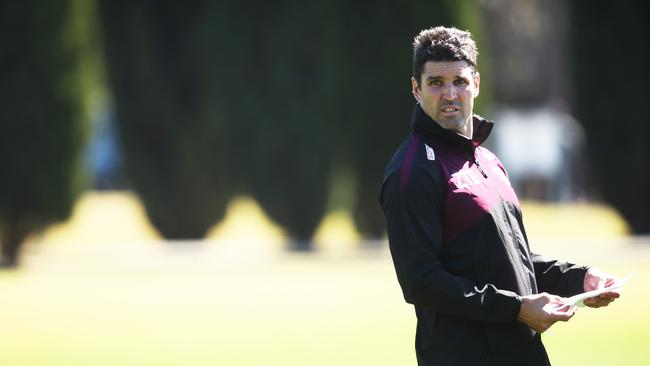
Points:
[(220, 98), (611, 47), (287, 100), (170, 97), (41, 117)]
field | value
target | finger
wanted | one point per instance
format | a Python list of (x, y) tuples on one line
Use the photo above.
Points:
[(598, 302), (561, 315), (562, 307), (610, 295), (605, 299), (593, 302), (564, 317), (604, 303), (594, 305)]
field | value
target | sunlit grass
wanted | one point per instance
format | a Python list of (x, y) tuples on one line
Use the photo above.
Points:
[(247, 227), (194, 307), (105, 217), (337, 233), (121, 297), (573, 220), (160, 305)]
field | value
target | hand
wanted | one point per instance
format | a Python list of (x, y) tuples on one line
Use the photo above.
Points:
[(540, 311), (595, 279)]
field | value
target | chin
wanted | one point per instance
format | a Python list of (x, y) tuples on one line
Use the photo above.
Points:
[(451, 125)]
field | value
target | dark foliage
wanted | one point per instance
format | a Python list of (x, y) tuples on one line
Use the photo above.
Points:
[(40, 120), (169, 96), (611, 49)]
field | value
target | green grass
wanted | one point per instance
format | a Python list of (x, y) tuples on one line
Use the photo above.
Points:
[(145, 304)]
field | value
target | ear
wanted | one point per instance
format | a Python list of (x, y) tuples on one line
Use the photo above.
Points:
[(477, 83), (415, 89)]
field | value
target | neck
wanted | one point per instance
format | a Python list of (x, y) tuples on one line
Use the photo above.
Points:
[(467, 130)]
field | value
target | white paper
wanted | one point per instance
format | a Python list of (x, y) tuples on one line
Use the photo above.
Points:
[(578, 300)]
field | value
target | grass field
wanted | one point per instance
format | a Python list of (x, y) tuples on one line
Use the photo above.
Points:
[(140, 301)]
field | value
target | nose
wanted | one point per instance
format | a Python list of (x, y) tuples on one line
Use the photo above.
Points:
[(449, 92)]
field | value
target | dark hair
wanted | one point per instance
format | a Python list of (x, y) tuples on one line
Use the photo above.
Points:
[(442, 44)]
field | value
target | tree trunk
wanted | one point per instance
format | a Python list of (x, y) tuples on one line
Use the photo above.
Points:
[(12, 235)]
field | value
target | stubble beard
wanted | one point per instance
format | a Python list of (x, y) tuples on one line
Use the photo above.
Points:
[(457, 124)]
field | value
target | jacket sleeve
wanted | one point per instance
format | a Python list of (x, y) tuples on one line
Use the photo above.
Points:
[(559, 278), (414, 224)]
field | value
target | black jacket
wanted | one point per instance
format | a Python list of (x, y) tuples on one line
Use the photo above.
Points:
[(460, 249)]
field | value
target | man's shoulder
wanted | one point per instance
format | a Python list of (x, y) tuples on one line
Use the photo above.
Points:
[(414, 155), (486, 152)]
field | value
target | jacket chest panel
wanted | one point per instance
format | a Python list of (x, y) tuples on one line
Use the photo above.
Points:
[(473, 189)]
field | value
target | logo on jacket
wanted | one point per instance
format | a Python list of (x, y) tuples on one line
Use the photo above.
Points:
[(430, 154), (465, 178)]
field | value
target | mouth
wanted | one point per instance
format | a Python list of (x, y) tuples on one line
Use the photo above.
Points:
[(449, 109)]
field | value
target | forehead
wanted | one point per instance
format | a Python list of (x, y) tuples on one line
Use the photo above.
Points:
[(447, 69)]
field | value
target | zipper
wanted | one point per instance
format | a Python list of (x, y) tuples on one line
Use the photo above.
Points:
[(517, 255), (479, 168)]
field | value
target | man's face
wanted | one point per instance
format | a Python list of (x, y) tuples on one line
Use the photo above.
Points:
[(446, 93)]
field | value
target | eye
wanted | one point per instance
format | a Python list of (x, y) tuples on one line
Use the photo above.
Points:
[(435, 82), (460, 82)]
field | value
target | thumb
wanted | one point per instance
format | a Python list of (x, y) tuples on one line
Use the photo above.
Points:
[(562, 314)]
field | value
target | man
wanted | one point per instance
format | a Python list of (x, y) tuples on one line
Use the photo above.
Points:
[(455, 227)]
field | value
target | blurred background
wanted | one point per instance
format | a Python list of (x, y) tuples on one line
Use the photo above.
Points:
[(196, 182)]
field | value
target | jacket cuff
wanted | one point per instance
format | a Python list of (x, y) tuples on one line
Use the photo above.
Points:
[(516, 307), (509, 306), (576, 284)]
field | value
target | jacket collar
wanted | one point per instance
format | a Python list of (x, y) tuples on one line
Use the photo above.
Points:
[(423, 125)]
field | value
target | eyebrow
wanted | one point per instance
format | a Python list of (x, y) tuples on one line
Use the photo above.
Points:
[(433, 77), (437, 77)]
